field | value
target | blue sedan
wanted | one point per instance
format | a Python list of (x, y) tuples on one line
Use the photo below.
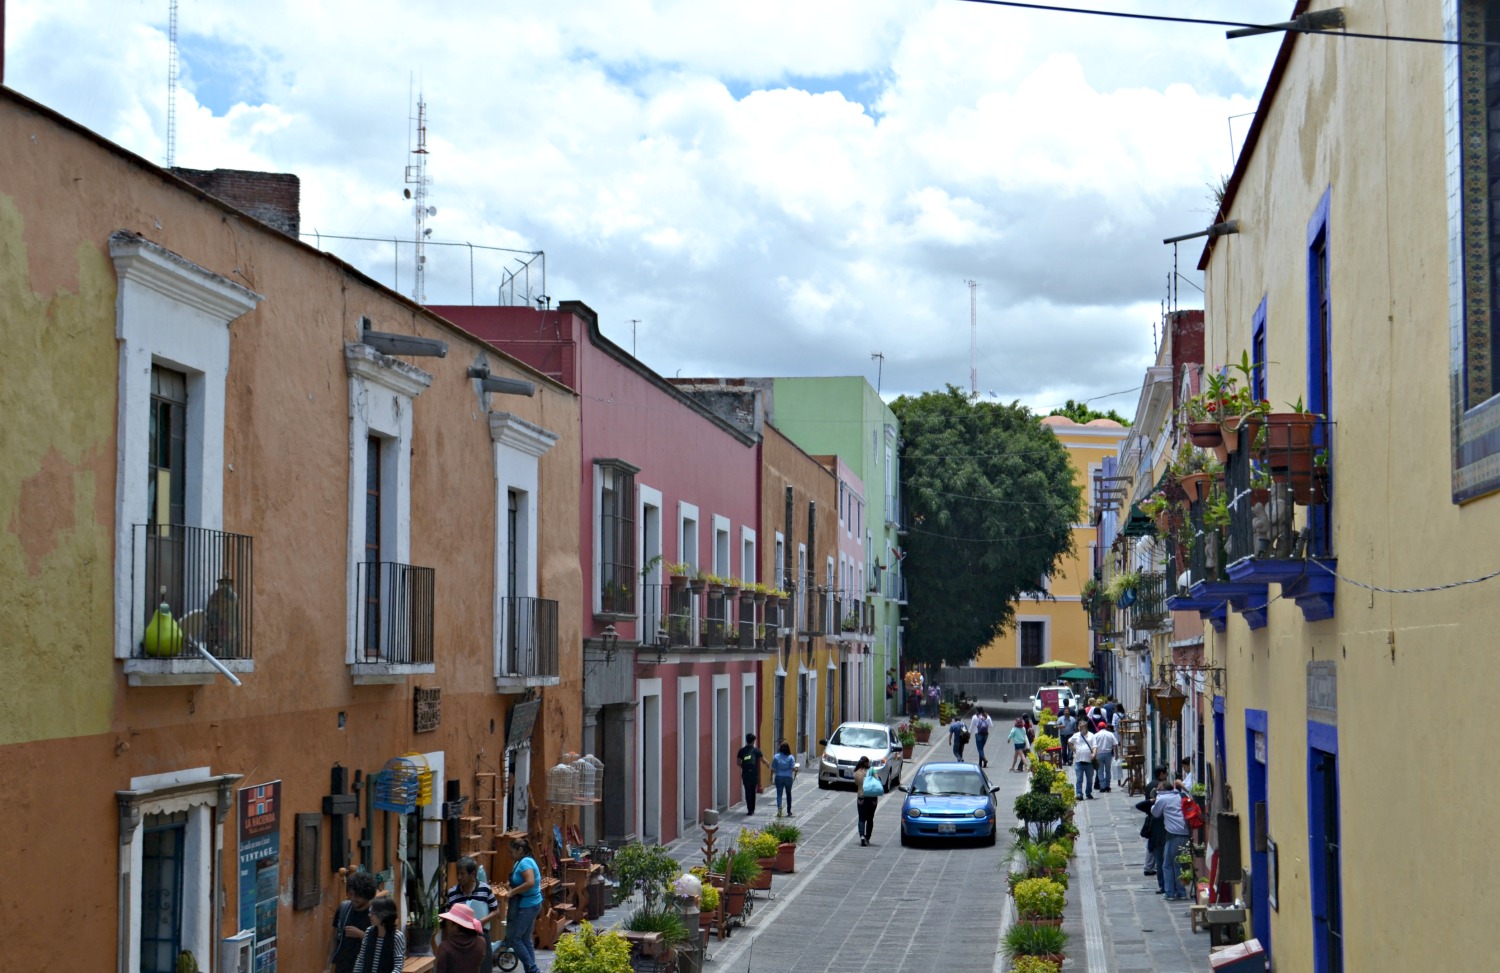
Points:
[(949, 800)]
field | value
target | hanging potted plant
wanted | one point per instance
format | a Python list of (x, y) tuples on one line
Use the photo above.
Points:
[(1190, 469), (1123, 586)]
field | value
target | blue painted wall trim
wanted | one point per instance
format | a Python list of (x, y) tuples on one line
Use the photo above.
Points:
[(1322, 736), (1255, 719), (1219, 704), (1258, 352)]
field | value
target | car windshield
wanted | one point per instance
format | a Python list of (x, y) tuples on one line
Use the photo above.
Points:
[(948, 783), (859, 736)]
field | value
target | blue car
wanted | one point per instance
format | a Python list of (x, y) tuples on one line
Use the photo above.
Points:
[(949, 800)]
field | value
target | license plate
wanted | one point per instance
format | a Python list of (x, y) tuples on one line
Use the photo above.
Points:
[(945, 829), (849, 774)]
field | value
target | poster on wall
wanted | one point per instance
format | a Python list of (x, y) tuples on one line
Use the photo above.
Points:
[(260, 868)]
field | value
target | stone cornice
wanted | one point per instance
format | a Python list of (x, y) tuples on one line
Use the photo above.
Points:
[(139, 261), (511, 430), (391, 373)]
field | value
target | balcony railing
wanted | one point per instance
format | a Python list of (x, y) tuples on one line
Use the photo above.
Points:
[(530, 637), (895, 587), (814, 614), (1289, 472), (681, 618), (393, 623), (1149, 612), (206, 579), (895, 516), (716, 619)]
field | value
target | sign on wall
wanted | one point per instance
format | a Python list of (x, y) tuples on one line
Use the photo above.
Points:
[(260, 868)]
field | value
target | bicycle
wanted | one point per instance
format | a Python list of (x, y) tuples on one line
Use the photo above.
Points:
[(503, 958)]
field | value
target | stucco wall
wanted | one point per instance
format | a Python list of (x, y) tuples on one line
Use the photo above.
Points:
[(1365, 123), (71, 731)]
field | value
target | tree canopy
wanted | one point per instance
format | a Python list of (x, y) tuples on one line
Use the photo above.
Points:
[(1082, 413), (991, 502)]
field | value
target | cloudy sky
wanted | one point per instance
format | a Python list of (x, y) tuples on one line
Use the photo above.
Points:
[(780, 187)]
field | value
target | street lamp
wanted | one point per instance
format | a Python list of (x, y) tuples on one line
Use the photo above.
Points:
[(609, 639)]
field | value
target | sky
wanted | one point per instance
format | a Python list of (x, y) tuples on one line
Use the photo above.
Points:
[(787, 187)]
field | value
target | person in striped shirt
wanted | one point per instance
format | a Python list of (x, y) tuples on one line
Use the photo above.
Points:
[(473, 893), (383, 950)]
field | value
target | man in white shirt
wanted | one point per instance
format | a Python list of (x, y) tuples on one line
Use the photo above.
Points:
[(1168, 807), (1083, 761), (1187, 774), (1104, 757)]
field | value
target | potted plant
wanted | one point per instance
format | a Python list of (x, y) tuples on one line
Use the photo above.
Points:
[(1039, 810), (787, 837), (1190, 469), (1203, 421), (1123, 586), (708, 906), (647, 869), (424, 903), (922, 729), (763, 847), (1030, 939), (1034, 964), (680, 573), (907, 737), (587, 951), (668, 923), (1040, 900)]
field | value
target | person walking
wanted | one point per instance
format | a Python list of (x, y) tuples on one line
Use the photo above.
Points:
[(463, 949), (383, 948), (935, 701), (980, 725), (864, 803), (1154, 830), (526, 892), (750, 760), (1168, 807), (350, 920), (1104, 756), (783, 772), (1083, 762), (1067, 725), (958, 737), (1020, 743)]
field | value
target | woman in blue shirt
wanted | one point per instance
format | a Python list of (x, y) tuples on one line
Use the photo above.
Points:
[(783, 769), (526, 892)]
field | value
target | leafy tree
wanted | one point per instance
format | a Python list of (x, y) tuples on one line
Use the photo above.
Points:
[(991, 504), (1081, 413)]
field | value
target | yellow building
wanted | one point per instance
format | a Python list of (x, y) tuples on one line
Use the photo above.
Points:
[(1355, 260), (1050, 624)]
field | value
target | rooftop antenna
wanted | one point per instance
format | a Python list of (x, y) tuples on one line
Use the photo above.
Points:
[(973, 338), (633, 323), (171, 83), (879, 358), (416, 190)]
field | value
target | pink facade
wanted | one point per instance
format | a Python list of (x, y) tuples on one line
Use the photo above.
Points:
[(693, 480)]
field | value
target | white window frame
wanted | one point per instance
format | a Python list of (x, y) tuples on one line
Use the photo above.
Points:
[(519, 447), (721, 750), (208, 800), (749, 554), (172, 312), (748, 696), (1046, 622), (687, 512), (778, 568), (686, 685), (723, 567), (381, 392), (649, 497), (646, 688)]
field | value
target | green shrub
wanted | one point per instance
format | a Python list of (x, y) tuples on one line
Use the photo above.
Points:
[(589, 952), (1033, 964), (761, 844), (1057, 857), (647, 869), (668, 922), (784, 833), (1026, 939), (708, 899), (1040, 898)]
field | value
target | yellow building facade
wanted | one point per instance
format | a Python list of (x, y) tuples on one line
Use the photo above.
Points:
[(1050, 625), (1356, 265)]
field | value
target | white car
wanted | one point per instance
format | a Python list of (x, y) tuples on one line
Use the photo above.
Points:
[(854, 740), (1065, 699)]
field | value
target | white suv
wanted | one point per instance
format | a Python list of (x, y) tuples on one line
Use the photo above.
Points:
[(854, 740), (1065, 699)]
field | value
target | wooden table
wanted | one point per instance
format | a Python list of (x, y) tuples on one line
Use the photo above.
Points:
[(419, 964)]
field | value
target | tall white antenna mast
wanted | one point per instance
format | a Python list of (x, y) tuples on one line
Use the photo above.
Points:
[(973, 338), (416, 190), (172, 84)]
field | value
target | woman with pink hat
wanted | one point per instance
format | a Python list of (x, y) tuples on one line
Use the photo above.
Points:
[(463, 948)]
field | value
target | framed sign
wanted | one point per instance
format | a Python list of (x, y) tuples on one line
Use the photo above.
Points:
[(1273, 873)]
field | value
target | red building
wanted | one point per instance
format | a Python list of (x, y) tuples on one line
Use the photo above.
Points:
[(666, 479)]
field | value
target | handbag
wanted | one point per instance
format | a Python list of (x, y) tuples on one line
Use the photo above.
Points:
[(872, 786), (1191, 813)]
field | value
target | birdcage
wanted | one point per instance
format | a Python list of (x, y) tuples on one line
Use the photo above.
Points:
[(404, 784), (590, 779), (575, 780)]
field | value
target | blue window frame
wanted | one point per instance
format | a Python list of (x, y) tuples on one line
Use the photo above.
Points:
[(1320, 358), (1258, 352), (1257, 747), (1325, 871)]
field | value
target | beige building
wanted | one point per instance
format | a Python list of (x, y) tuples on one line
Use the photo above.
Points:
[(1049, 624), (1359, 271), (363, 554)]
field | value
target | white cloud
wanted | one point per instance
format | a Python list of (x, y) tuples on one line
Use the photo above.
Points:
[(779, 187)]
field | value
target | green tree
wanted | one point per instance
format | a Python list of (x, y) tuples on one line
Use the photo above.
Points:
[(991, 503), (1081, 413)]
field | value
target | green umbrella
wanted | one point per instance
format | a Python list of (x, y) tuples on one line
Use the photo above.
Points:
[(1078, 674)]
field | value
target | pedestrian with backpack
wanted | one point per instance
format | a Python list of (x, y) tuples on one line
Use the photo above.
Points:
[(1081, 744), (867, 791), (958, 736), (980, 727)]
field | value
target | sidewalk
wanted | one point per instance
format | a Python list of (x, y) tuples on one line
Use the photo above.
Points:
[(1117, 922)]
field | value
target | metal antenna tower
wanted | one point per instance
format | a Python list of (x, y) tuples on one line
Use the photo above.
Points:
[(416, 190), (973, 338), (172, 83), (879, 358)]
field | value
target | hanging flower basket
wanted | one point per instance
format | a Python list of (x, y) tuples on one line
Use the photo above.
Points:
[(1205, 435)]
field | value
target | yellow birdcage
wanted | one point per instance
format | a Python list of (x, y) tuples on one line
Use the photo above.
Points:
[(404, 784)]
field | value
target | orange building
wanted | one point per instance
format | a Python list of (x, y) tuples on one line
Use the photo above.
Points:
[(363, 554)]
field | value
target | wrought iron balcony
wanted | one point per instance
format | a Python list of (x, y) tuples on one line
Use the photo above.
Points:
[(681, 620), (394, 615), (528, 648), (194, 590), (1149, 612), (716, 619)]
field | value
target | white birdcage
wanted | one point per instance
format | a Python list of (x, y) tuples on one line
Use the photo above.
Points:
[(590, 778), (575, 780)]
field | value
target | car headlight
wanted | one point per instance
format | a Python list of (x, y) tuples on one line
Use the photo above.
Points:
[(981, 813), (914, 812), (877, 765), (829, 763)]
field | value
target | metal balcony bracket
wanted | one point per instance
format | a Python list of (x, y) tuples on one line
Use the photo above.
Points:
[(1218, 617), (1314, 592)]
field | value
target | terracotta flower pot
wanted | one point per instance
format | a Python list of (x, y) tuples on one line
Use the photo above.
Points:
[(786, 858), (906, 751), (923, 734), (762, 882), (1195, 485), (734, 900), (1205, 434), (1289, 440)]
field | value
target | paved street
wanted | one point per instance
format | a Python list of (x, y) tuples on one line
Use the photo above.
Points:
[(849, 909)]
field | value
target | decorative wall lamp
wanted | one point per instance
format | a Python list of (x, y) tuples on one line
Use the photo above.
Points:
[(609, 640)]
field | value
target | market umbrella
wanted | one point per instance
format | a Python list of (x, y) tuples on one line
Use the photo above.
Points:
[(1078, 674), (1056, 664)]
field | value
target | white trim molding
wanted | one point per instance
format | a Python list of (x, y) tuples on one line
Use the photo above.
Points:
[(519, 444)]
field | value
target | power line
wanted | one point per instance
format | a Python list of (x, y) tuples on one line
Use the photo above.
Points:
[(1290, 28)]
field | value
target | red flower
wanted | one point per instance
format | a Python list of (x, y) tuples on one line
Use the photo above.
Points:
[(1212, 407)]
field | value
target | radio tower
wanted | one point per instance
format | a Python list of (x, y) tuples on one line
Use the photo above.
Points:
[(172, 84), (973, 338), (416, 190)]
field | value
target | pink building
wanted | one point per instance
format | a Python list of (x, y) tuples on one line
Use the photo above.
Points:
[(670, 668), (851, 580)]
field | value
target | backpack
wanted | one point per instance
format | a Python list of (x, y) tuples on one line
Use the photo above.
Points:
[(963, 734), (872, 786), (1192, 813)]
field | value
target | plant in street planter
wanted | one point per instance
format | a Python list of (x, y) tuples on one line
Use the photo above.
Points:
[(1030, 939), (708, 905), (787, 837), (587, 951), (907, 737), (647, 869), (424, 904), (1040, 900), (763, 847), (668, 922), (1039, 811), (1034, 964), (922, 729)]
